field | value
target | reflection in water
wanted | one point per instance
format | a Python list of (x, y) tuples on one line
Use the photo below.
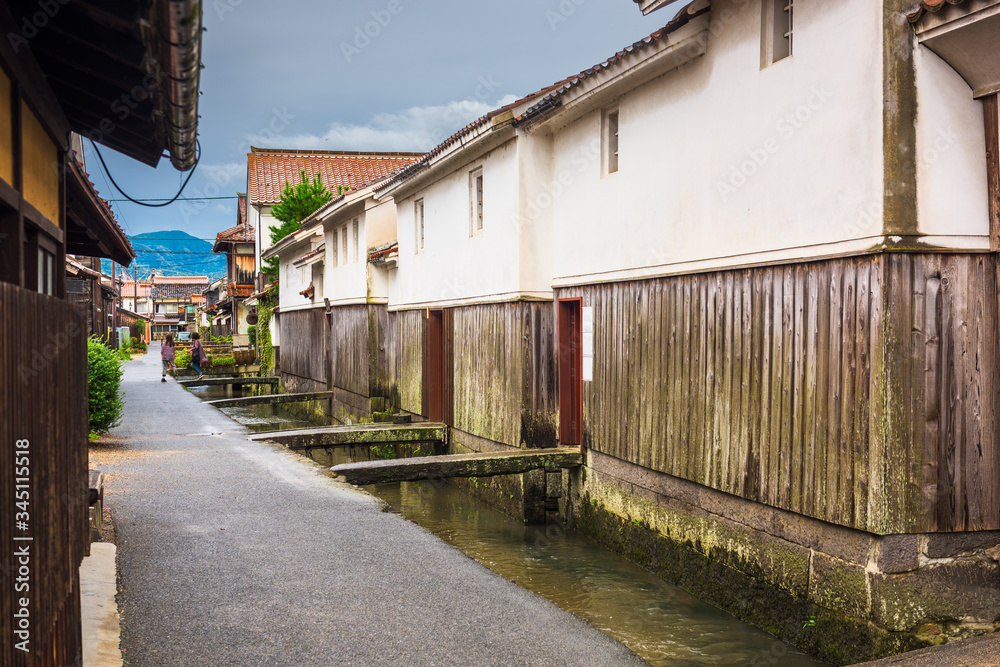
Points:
[(661, 622)]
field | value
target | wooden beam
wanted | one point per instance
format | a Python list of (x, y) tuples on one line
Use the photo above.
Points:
[(991, 116), (357, 435), (485, 464), (272, 399)]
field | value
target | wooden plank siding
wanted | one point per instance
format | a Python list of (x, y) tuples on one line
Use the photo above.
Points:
[(405, 352), (43, 374), (504, 376), (303, 343), (860, 391)]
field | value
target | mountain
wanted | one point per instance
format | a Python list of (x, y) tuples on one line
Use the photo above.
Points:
[(174, 253)]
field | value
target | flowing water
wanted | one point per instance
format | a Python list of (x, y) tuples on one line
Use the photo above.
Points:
[(662, 623)]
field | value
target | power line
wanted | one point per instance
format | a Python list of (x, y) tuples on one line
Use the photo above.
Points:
[(140, 201)]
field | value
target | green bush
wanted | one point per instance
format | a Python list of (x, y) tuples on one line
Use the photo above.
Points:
[(104, 379), (223, 361), (183, 359), (252, 334), (140, 345)]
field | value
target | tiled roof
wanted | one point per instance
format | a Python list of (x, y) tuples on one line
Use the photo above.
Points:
[(683, 17), (164, 280), (931, 6), (234, 290), (548, 97), (269, 169), (177, 291)]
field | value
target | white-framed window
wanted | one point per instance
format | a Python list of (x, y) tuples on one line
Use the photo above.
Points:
[(336, 260), (418, 221), (609, 140), (343, 236), (476, 201), (357, 241), (776, 31)]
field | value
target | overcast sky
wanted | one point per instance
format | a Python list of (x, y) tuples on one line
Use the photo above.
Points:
[(386, 75)]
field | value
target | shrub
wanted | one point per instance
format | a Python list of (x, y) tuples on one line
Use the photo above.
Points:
[(223, 361), (104, 379), (252, 334), (140, 345), (183, 359)]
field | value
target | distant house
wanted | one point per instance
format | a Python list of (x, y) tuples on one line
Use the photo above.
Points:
[(137, 296), (238, 243), (269, 170), (209, 308), (175, 303), (94, 294)]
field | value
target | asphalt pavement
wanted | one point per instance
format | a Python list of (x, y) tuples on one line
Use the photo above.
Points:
[(234, 552)]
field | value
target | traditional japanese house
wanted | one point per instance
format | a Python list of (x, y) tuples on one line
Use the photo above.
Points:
[(61, 74), (175, 303), (333, 297), (238, 243), (269, 170)]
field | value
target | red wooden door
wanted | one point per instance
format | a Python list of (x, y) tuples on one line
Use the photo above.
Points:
[(570, 373), (435, 365)]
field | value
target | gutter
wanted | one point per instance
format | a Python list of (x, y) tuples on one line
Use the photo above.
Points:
[(180, 41)]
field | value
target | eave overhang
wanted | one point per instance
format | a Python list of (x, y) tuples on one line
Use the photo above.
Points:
[(964, 35), (91, 230), (650, 6)]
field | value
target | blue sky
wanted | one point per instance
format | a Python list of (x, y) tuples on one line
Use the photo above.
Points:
[(365, 75)]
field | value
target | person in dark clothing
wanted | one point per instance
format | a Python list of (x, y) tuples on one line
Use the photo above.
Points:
[(198, 356)]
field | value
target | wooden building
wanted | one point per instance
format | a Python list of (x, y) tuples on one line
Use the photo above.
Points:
[(63, 78), (230, 313), (176, 300)]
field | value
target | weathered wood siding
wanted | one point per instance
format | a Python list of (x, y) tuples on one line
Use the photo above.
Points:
[(859, 391), (405, 347), (43, 375), (504, 372), (303, 343), (349, 348)]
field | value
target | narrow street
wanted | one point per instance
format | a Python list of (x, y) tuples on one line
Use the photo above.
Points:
[(233, 552)]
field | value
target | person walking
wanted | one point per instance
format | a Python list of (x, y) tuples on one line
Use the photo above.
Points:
[(167, 353), (198, 356)]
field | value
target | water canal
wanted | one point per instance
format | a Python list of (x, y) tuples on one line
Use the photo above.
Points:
[(661, 622)]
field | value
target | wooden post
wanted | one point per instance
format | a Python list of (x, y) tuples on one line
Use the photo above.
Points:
[(991, 116)]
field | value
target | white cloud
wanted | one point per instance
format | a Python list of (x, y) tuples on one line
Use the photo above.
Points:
[(414, 129)]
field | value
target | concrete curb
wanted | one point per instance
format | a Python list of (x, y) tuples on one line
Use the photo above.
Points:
[(99, 611)]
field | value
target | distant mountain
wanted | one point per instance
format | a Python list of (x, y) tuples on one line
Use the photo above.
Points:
[(174, 253)]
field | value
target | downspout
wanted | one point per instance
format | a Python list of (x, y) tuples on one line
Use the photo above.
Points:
[(180, 38)]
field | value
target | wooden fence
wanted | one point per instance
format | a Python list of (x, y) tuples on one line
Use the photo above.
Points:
[(303, 343), (43, 430), (860, 391)]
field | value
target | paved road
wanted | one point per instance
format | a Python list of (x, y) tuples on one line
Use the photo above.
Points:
[(233, 552)]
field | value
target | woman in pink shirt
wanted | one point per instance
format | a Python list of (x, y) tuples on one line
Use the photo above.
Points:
[(167, 356)]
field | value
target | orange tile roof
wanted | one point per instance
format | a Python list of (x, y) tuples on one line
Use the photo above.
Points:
[(241, 233), (268, 169), (931, 6)]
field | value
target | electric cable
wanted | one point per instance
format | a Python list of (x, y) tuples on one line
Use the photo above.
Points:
[(197, 159)]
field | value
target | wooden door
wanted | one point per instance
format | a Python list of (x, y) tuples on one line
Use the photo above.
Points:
[(570, 372), (435, 366)]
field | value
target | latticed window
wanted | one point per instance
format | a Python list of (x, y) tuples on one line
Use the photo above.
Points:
[(418, 217), (776, 31), (476, 196), (357, 242)]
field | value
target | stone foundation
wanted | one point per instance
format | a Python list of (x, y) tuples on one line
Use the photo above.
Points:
[(841, 594)]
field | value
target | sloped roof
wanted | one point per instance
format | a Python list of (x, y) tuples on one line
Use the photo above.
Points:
[(268, 169), (931, 6), (548, 97), (683, 17), (241, 233), (177, 290), (92, 229)]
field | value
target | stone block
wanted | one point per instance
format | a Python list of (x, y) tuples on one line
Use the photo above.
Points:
[(967, 590), (838, 584), (948, 545), (898, 553)]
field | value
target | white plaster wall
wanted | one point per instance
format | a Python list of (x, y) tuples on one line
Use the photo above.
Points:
[(951, 152), (454, 265), (292, 280), (721, 160), (346, 280), (380, 223)]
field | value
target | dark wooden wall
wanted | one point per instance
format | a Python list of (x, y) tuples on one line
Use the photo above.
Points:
[(303, 343), (43, 375), (405, 349), (860, 391), (504, 372)]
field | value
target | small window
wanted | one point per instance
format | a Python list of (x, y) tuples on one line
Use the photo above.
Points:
[(357, 241), (343, 235), (46, 272), (336, 261), (776, 31), (476, 200), (418, 217), (610, 141)]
